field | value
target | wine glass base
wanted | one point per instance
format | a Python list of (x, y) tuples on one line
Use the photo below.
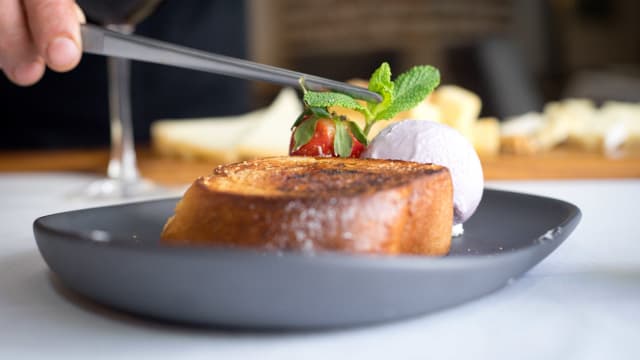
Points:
[(116, 189)]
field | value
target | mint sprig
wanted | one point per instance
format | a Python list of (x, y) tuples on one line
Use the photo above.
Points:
[(381, 83), (407, 91), (410, 89), (329, 99)]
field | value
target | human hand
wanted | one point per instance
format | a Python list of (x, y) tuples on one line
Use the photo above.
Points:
[(39, 33)]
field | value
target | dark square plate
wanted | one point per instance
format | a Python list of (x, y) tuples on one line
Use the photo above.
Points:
[(113, 256)]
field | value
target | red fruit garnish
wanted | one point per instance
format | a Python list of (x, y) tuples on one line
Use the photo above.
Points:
[(322, 143)]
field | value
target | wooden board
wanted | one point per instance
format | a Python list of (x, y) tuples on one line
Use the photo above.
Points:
[(562, 164), (558, 164)]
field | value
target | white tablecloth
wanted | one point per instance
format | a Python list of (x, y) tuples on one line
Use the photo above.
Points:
[(582, 302)]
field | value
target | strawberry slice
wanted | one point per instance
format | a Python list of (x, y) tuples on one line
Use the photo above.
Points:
[(324, 137)]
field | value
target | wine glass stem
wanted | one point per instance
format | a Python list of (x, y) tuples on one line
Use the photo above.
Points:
[(122, 162)]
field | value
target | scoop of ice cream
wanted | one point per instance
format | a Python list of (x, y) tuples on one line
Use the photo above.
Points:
[(431, 142)]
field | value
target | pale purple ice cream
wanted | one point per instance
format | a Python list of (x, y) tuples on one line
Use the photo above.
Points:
[(430, 142)]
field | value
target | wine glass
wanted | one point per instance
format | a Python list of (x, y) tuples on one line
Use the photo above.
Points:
[(123, 177)]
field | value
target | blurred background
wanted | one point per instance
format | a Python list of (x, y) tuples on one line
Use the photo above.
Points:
[(515, 54), (541, 88)]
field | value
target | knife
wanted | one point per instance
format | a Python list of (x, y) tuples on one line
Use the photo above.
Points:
[(100, 41)]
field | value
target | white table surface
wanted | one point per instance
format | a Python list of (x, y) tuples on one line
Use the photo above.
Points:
[(582, 302)]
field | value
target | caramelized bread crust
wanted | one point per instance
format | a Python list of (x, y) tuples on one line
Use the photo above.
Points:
[(303, 203)]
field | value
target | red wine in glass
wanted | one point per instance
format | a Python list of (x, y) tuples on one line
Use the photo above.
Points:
[(107, 12)]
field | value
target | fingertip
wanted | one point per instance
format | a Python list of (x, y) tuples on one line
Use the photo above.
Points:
[(28, 73), (63, 54)]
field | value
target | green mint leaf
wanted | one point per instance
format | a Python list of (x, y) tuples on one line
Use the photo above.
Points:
[(300, 118), (309, 111), (342, 142), (320, 112), (304, 132), (357, 132), (411, 88), (380, 82), (328, 99)]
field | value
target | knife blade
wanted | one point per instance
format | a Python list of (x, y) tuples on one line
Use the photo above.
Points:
[(100, 41)]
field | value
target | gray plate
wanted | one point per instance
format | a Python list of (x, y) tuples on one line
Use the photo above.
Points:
[(113, 255)]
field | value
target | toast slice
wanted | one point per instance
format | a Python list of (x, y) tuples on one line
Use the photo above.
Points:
[(272, 134), (459, 108), (486, 136), (628, 114), (518, 134), (203, 139), (260, 133), (303, 203), (615, 125)]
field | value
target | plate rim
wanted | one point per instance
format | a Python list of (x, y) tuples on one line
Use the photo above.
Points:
[(326, 257)]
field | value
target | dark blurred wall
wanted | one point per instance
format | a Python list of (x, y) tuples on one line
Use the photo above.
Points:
[(601, 48), (70, 110), (347, 39), (516, 54)]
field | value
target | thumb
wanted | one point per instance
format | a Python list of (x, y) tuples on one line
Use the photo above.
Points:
[(55, 28)]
